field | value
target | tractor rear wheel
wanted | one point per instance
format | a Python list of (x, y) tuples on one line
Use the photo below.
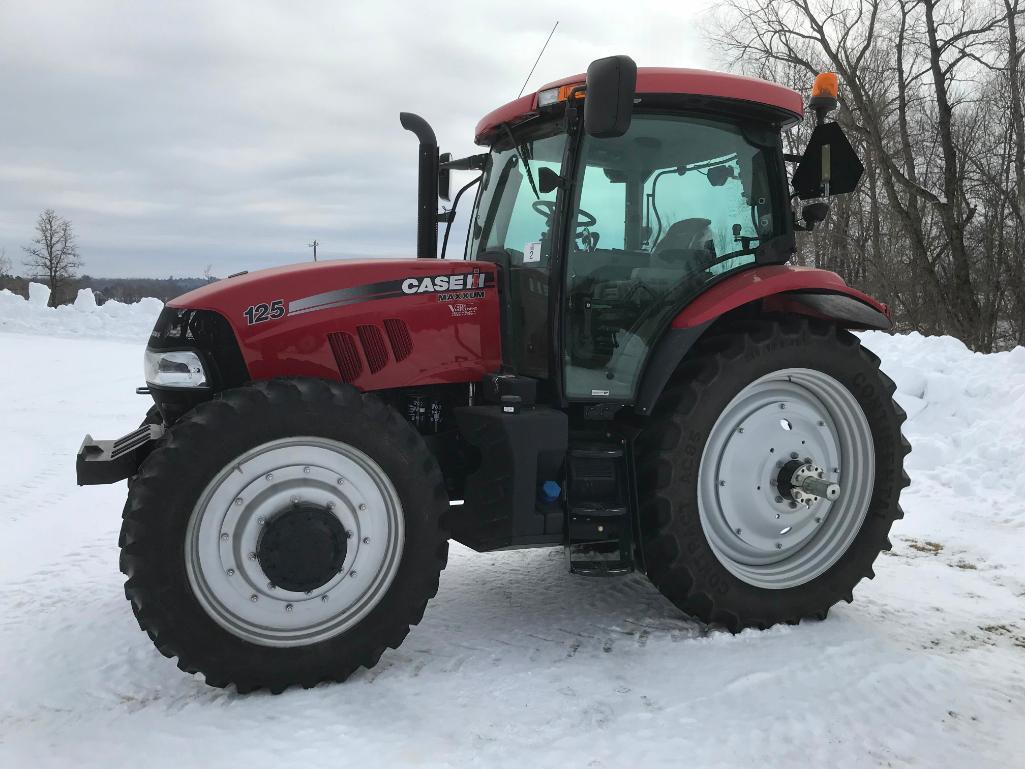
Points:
[(770, 474), (286, 532)]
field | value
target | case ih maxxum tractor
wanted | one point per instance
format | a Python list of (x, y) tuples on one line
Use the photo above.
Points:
[(623, 363)]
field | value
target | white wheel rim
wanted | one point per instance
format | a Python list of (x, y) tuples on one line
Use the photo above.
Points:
[(759, 535), (224, 529)]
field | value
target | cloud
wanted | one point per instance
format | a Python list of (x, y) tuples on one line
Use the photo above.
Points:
[(176, 135)]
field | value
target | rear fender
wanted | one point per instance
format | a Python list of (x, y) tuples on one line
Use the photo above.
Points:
[(768, 290)]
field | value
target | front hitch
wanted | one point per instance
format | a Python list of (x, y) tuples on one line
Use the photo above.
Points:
[(101, 462)]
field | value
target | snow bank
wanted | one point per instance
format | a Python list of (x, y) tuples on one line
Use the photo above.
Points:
[(966, 419), (113, 320), (516, 663)]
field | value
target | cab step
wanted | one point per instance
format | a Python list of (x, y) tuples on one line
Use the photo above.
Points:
[(599, 521)]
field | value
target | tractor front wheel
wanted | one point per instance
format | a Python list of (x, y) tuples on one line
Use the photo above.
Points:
[(286, 532), (770, 474)]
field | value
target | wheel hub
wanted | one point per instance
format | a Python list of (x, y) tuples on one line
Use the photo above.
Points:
[(302, 548), (769, 484), (295, 541)]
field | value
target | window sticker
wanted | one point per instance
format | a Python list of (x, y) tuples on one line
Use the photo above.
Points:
[(532, 252)]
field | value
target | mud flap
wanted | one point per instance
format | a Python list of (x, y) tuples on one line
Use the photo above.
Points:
[(101, 462)]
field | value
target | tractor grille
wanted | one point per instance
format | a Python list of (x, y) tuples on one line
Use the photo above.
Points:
[(398, 336), (373, 347), (343, 346)]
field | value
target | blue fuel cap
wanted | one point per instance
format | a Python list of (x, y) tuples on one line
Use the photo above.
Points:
[(550, 491)]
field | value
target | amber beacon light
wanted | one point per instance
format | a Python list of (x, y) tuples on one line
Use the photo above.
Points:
[(824, 94)]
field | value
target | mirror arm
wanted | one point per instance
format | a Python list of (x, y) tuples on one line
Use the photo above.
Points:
[(450, 216)]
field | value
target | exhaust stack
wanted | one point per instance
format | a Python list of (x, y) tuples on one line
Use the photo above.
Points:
[(427, 186)]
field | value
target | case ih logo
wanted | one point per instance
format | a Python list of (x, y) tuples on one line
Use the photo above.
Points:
[(435, 283), (461, 287)]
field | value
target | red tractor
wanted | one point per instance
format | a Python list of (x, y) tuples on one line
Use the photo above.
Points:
[(622, 363)]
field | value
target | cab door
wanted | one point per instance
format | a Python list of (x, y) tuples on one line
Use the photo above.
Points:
[(677, 202)]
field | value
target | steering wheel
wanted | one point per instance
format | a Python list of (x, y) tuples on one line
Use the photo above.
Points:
[(547, 207)]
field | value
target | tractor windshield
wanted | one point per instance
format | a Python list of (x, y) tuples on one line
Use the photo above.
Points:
[(660, 212), (510, 215), (512, 225)]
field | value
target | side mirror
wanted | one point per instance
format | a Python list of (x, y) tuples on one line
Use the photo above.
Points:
[(719, 175), (548, 180), (829, 165), (609, 101), (814, 213), (444, 176)]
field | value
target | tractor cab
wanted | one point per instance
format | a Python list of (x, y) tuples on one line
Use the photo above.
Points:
[(610, 201)]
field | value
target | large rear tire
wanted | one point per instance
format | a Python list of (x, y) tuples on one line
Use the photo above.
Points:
[(726, 537), (286, 532)]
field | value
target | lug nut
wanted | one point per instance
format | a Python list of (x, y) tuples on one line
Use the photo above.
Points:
[(330, 505), (323, 598), (254, 598), (366, 540), (269, 476), (224, 536), (252, 556), (782, 405), (818, 520), (722, 483), (821, 423), (740, 429), (341, 481), (738, 531), (238, 500), (352, 573), (362, 507), (230, 572), (260, 521), (295, 500), (288, 607), (306, 470), (779, 546), (348, 534)]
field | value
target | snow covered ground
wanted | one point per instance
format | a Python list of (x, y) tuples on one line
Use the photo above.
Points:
[(518, 664)]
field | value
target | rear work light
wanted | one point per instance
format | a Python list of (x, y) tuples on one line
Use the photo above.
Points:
[(551, 96)]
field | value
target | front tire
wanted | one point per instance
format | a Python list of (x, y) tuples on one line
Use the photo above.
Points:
[(286, 532), (725, 535)]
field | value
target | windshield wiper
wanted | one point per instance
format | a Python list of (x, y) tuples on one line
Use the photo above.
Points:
[(523, 159)]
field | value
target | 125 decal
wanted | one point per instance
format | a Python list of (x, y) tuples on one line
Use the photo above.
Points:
[(259, 313)]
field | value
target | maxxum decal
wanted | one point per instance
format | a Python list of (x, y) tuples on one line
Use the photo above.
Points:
[(443, 285)]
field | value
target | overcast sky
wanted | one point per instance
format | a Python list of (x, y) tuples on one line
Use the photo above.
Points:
[(180, 135)]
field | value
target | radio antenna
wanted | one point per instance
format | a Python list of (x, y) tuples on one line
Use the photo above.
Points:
[(537, 60)]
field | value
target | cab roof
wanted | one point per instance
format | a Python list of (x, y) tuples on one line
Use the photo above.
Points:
[(660, 80)]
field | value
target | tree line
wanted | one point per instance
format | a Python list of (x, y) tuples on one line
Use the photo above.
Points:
[(53, 258), (932, 95)]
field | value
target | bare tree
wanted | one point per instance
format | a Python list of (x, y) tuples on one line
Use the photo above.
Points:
[(932, 98), (53, 255), (5, 263)]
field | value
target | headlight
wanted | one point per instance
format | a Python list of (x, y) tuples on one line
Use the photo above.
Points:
[(178, 368)]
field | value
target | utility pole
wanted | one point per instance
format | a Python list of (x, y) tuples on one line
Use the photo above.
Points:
[(313, 245)]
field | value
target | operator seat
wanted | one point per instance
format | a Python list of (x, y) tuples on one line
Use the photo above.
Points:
[(692, 234)]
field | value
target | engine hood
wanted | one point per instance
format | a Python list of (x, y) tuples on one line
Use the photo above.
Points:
[(373, 323), (304, 287)]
